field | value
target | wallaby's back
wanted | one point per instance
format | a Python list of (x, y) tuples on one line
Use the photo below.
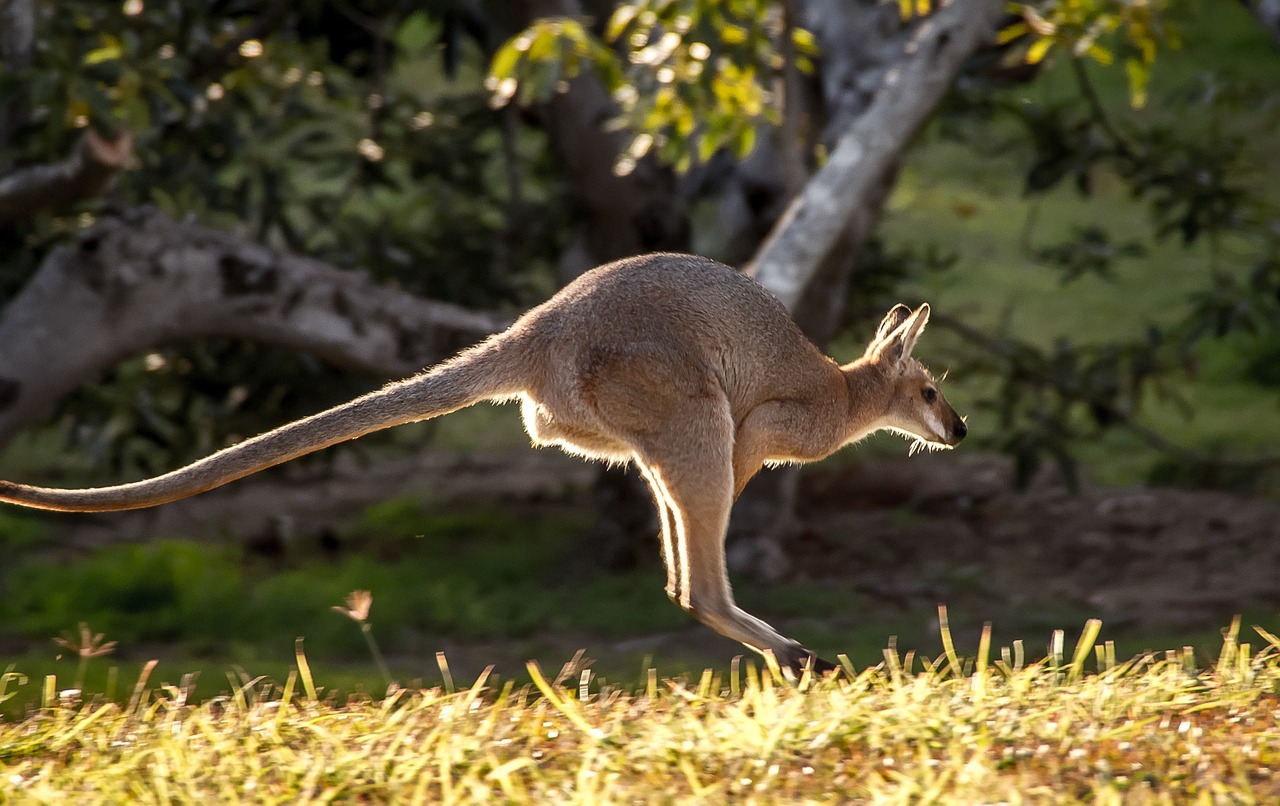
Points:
[(679, 308)]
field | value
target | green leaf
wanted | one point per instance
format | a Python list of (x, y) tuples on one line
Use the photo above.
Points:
[(745, 141), (544, 41), (805, 42), (733, 34), (505, 60), (110, 51), (619, 20), (416, 34), (1038, 50), (1139, 74), (708, 144), (1100, 54), (1011, 33)]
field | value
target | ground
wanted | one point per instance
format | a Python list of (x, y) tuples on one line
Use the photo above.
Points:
[(879, 545), (951, 528)]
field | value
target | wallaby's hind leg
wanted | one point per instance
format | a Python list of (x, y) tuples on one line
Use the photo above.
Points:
[(670, 557), (691, 473)]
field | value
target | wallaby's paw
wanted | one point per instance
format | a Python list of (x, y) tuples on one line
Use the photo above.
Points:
[(823, 667), (818, 667), (798, 658)]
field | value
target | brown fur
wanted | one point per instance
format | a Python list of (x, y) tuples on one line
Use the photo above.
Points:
[(677, 363)]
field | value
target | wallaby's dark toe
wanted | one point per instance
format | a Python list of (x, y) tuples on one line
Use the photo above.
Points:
[(822, 666), (807, 659)]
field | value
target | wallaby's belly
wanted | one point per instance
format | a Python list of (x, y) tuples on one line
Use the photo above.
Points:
[(626, 347)]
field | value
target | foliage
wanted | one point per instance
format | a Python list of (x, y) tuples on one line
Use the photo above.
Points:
[(1195, 182), (311, 151), (342, 132), (19, 532), (1081, 27), (133, 593), (694, 77), (1051, 398), (184, 402), (331, 132), (1144, 730)]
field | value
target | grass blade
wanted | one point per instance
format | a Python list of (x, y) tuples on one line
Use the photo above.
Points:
[(1084, 648), (304, 670), (948, 646)]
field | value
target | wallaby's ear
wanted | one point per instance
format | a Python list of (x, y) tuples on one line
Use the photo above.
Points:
[(896, 347), (895, 317)]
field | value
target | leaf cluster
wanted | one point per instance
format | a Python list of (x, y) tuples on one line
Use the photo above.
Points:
[(1100, 30), (1050, 400), (691, 77), (186, 401)]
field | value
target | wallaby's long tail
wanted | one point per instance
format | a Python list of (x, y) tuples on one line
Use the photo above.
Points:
[(486, 372)]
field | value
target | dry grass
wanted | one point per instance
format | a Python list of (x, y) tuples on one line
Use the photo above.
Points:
[(1150, 730)]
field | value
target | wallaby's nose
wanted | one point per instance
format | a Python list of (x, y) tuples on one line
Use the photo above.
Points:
[(958, 429)]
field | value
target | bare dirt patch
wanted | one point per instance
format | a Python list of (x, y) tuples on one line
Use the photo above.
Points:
[(950, 528)]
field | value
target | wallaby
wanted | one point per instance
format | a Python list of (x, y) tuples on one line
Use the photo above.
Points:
[(677, 363)]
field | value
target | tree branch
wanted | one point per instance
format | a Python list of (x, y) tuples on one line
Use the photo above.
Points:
[(80, 176), (141, 280), (1267, 12), (1096, 108), (864, 154)]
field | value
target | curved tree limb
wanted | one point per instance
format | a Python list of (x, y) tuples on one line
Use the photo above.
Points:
[(1267, 13), (866, 152), (140, 280), (80, 176)]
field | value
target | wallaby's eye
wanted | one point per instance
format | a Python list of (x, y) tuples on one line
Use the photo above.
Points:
[(930, 395)]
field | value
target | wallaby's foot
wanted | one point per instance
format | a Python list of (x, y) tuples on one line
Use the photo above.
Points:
[(823, 667), (797, 658)]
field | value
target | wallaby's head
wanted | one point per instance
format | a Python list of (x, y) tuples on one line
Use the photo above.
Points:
[(914, 405)]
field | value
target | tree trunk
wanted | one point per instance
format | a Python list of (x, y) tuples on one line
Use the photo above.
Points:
[(869, 149), (620, 215), (141, 280), (1268, 13), (808, 257)]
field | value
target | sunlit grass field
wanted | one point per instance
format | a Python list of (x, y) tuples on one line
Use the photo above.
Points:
[(1078, 726)]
